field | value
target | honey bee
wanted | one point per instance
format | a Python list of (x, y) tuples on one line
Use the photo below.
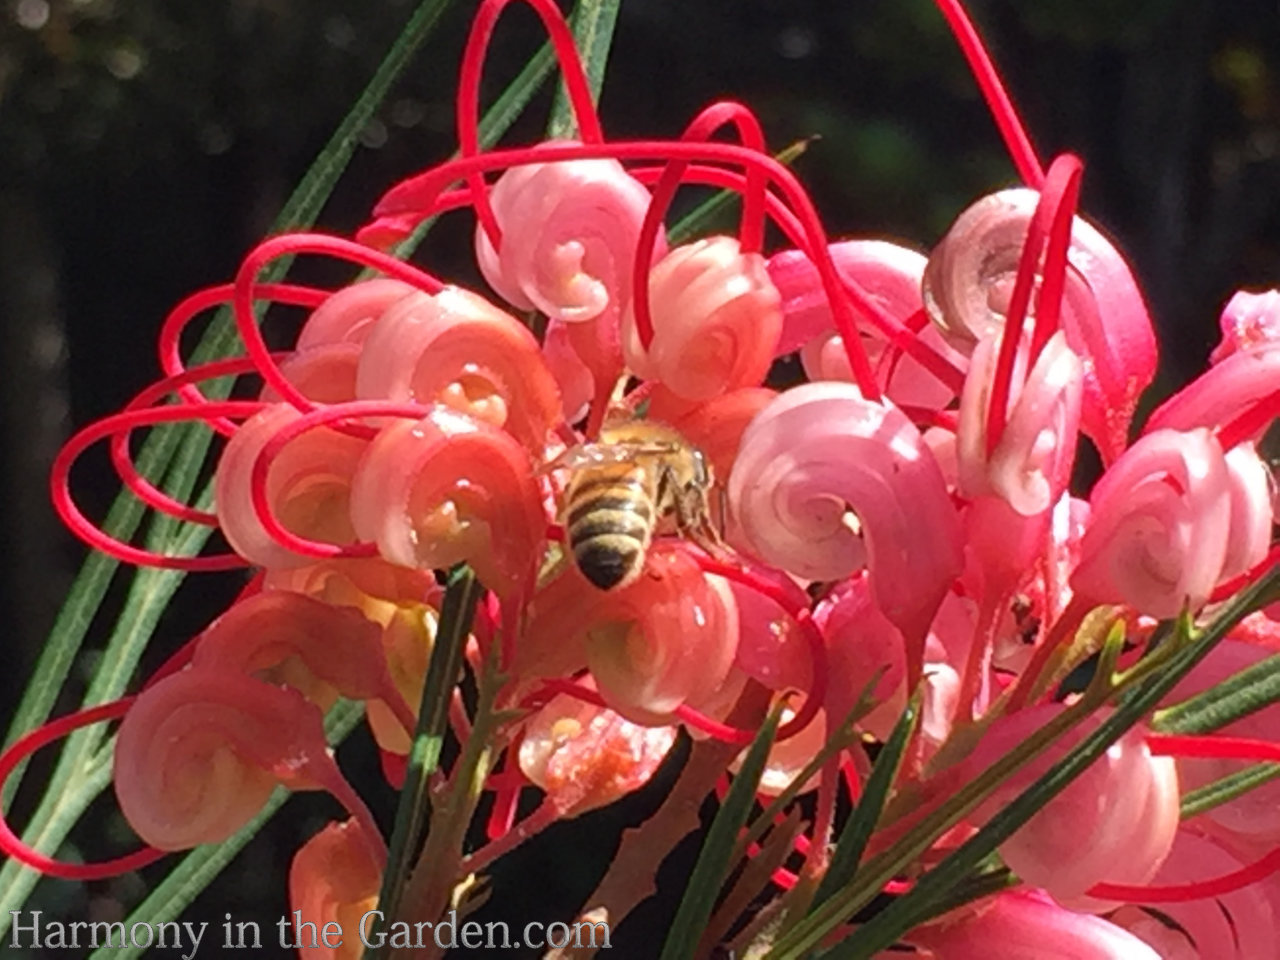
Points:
[(621, 486)]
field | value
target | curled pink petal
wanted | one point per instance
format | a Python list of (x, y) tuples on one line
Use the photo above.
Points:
[(574, 377), (969, 282), (890, 274), (716, 319), (1158, 532), (1126, 803), (318, 649), (1029, 465), (827, 482), (904, 380), (1252, 510), (449, 489), (569, 232), (348, 315), (1249, 321), (325, 373), (1017, 925), (307, 486), (1233, 385), (199, 753), (333, 879), (458, 349), (668, 639), (586, 756)]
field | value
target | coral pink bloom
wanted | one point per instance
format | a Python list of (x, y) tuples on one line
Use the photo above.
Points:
[(1234, 384), (1241, 925), (1158, 533), (199, 753), (333, 879), (458, 349), (716, 320), (1249, 321), (890, 275), (325, 373), (1022, 925), (969, 283), (828, 482), (569, 232), (1125, 805), (585, 756), (667, 640), (349, 315), (404, 603), (448, 489), (322, 651), (1029, 464), (307, 487), (1252, 510)]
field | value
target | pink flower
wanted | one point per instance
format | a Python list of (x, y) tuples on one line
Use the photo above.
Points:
[(1161, 518), (827, 482), (1249, 321), (333, 879), (716, 319), (969, 282), (449, 489)]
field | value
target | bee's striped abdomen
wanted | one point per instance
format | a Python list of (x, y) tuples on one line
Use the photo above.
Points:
[(609, 523)]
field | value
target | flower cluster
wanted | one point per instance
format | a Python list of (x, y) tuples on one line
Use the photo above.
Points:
[(670, 541)]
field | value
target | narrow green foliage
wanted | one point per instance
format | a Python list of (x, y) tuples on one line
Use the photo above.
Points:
[(1238, 696), (712, 211), (1195, 802), (931, 890), (715, 861), (456, 616), (859, 827), (593, 23)]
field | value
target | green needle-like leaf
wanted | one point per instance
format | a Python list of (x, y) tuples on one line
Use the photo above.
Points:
[(1226, 789), (456, 616), (859, 827), (1238, 696), (715, 860), (593, 23)]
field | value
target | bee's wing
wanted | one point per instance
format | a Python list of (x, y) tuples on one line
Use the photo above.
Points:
[(598, 454)]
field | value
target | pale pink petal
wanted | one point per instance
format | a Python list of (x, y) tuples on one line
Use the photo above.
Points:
[(448, 489), (575, 378), (569, 232), (1031, 463), (347, 316), (1249, 321), (1256, 814), (308, 486), (716, 319), (1158, 533), (1126, 803), (1221, 393), (1251, 510), (827, 482), (969, 282), (890, 275), (458, 349)]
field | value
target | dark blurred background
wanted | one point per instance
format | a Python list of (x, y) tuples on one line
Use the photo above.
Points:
[(146, 146)]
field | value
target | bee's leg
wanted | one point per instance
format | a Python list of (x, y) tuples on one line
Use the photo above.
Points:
[(693, 516)]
